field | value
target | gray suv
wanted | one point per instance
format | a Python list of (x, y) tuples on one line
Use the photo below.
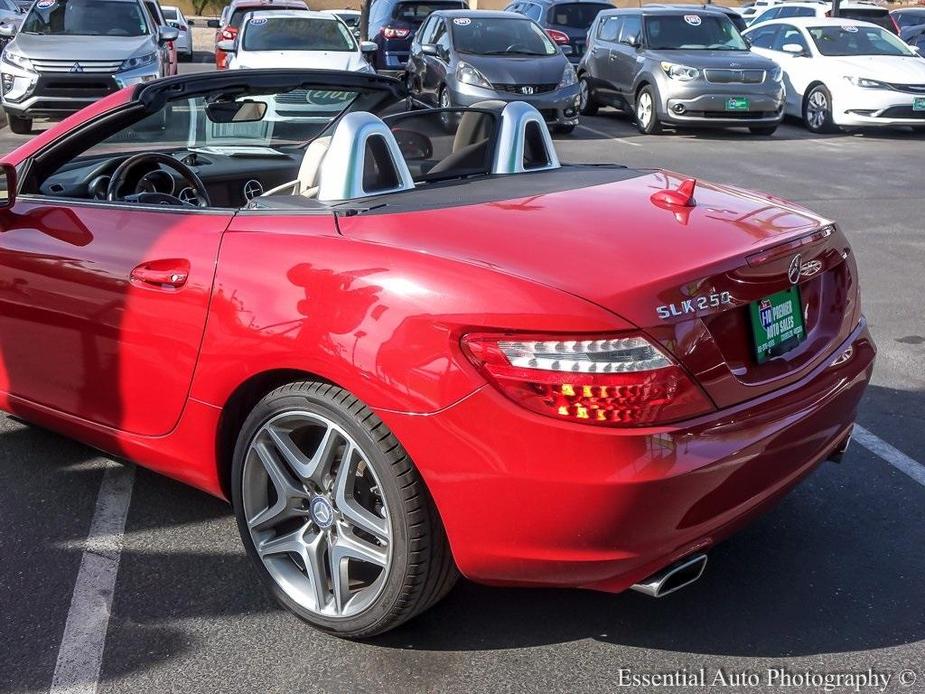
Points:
[(462, 57), (679, 67), (69, 53)]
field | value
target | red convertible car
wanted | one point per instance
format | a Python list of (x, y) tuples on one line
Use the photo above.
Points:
[(408, 344)]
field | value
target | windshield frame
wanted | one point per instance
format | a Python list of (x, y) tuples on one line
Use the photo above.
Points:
[(721, 18), (34, 13), (345, 33), (552, 49), (891, 38)]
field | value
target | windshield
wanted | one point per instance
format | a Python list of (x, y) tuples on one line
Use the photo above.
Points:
[(351, 20), (693, 32), (296, 34), (417, 12), (577, 15), (909, 19), (500, 36), (86, 18), (857, 40), (291, 119)]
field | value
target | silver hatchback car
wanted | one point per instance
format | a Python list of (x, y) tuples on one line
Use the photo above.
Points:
[(678, 67)]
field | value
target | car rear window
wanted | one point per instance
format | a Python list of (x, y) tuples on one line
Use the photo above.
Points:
[(237, 17), (875, 15), (417, 12), (297, 34), (169, 13), (575, 15)]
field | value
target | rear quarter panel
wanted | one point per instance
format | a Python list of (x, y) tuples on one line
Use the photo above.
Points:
[(380, 321)]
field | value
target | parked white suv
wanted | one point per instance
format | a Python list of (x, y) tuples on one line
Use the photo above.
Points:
[(69, 53)]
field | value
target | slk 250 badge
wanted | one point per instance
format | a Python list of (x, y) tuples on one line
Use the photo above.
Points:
[(698, 303)]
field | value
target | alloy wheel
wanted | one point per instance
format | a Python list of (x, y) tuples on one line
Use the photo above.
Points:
[(817, 109), (316, 514), (582, 95), (644, 109)]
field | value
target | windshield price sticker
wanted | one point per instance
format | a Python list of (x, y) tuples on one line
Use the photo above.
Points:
[(850, 29), (259, 20), (462, 21), (692, 19), (45, 4)]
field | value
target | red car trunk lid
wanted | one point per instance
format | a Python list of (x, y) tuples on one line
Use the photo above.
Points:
[(612, 245)]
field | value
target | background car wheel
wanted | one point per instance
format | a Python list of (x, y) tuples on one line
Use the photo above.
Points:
[(563, 129), (20, 126), (334, 514), (586, 103), (444, 100), (763, 130), (817, 110), (646, 113)]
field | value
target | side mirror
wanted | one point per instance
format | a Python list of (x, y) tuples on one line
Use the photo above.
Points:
[(7, 31), (429, 49), (227, 45), (212, 24), (191, 22), (631, 41), (793, 49), (165, 34), (916, 49), (567, 50), (368, 46), (7, 186), (748, 41)]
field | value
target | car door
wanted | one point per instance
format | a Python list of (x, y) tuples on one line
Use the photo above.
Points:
[(103, 307), (602, 69), (417, 64), (797, 68), (625, 57), (437, 65)]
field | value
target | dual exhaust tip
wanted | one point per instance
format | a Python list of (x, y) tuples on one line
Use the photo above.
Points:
[(673, 577)]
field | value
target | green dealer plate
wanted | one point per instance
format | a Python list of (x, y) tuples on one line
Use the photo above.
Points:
[(777, 323), (737, 103), (918, 103)]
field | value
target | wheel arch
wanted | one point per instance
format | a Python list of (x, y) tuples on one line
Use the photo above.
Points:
[(809, 89)]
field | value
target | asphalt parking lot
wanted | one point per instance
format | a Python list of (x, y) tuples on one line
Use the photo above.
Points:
[(831, 581)]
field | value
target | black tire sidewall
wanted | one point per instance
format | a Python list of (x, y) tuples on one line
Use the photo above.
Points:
[(590, 107), (300, 399)]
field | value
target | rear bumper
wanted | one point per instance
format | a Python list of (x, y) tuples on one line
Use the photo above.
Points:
[(528, 500)]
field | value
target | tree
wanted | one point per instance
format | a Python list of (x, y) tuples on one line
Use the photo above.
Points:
[(200, 6)]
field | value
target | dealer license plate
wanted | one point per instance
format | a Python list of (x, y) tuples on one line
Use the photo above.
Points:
[(777, 324), (737, 103), (918, 103)]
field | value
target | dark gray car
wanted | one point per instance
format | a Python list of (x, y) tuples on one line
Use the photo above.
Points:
[(462, 57), (566, 21), (679, 67)]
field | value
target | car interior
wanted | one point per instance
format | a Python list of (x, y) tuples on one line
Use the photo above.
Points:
[(223, 150)]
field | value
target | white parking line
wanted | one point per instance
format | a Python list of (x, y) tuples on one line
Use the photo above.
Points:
[(77, 670), (893, 456), (610, 136)]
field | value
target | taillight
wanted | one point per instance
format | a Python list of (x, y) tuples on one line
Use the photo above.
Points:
[(557, 36), (621, 381), (229, 34), (394, 33)]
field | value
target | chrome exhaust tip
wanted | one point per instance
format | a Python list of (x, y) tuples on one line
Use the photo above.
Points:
[(673, 577)]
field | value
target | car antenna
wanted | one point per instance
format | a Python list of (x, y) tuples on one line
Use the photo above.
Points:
[(682, 196)]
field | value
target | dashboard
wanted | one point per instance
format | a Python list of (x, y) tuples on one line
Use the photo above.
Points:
[(232, 176)]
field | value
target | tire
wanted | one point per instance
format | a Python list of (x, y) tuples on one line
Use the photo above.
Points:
[(817, 110), (563, 129), (19, 125), (766, 130), (377, 508), (447, 120), (586, 104), (646, 111)]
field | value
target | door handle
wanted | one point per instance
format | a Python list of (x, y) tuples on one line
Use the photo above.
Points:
[(167, 274)]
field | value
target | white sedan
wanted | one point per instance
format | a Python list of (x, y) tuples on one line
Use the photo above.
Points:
[(840, 72), (178, 21), (296, 39)]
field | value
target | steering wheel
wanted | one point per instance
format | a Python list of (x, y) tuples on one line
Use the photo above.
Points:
[(120, 175)]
